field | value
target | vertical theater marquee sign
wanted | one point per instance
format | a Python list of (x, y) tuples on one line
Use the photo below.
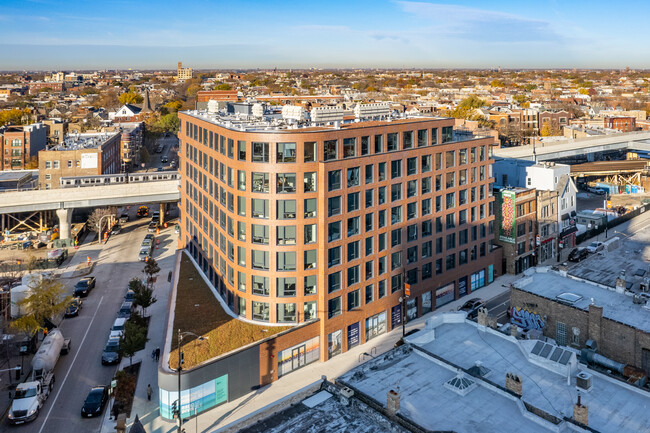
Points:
[(507, 229)]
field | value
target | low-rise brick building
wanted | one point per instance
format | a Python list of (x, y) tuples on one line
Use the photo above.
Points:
[(80, 155), (20, 144)]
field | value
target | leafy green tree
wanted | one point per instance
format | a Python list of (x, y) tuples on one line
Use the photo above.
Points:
[(174, 106), (169, 123), (48, 299), (520, 99), (130, 98), (497, 83), (133, 339), (144, 155), (142, 295), (222, 86)]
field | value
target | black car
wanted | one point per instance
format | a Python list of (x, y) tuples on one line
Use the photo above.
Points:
[(111, 355), (472, 307), (95, 402), (130, 294), (124, 218), (578, 254), (73, 308), (84, 286), (116, 229)]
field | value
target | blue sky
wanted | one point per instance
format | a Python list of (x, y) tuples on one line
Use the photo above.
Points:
[(53, 34)]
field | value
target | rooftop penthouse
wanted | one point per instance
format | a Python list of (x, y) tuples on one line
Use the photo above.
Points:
[(85, 141)]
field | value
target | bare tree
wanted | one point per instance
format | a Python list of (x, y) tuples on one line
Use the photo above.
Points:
[(96, 216)]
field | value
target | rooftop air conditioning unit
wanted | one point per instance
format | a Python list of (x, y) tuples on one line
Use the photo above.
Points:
[(583, 381), (347, 392)]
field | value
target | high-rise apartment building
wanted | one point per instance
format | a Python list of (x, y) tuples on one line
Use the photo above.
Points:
[(294, 220), (182, 73)]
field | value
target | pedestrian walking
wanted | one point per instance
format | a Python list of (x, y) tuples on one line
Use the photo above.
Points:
[(153, 355), (157, 353), (149, 391)]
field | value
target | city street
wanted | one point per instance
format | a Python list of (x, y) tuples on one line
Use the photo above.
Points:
[(76, 372)]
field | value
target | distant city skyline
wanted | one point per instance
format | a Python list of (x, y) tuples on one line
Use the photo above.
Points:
[(49, 35)]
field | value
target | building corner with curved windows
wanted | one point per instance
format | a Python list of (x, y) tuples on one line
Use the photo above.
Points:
[(297, 216)]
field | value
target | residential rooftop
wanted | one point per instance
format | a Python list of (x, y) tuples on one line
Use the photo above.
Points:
[(80, 141), (452, 377), (617, 305)]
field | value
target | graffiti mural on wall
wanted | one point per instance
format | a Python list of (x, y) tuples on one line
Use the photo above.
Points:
[(526, 319)]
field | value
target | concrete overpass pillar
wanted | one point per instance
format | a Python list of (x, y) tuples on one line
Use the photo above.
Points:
[(163, 208), (65, 219)]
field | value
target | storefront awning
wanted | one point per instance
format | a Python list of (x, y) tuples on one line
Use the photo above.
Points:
[(568, 231)]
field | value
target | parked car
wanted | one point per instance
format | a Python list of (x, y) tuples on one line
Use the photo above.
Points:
[(153, 226), (125, 310), (578, 254), (116, 229), (118, 327), (84, 286), (145, 253), (594, 247), (124, 218), (111, 354), (155, 216), (596, 190), (130, 294), (73, 307), (95, 402), (472, 306)]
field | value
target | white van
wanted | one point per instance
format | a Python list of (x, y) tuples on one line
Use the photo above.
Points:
[(118, 327)]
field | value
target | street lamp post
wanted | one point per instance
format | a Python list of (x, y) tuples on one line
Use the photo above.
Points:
[(179, 369)]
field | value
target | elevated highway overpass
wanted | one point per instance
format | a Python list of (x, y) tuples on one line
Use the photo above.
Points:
[(575, 147), (65, 200)]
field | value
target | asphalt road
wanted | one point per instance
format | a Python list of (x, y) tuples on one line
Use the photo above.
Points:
[(498, 307), (81, 369)]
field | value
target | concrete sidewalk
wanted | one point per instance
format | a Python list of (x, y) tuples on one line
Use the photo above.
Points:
[(146, 410), (233, 411)]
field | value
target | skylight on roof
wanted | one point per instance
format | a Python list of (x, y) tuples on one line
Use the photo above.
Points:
[(460, 384)]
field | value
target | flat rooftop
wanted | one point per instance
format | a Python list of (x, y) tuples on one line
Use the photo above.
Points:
[(449, 346), (616, 306), (273, 122), (84, 141)]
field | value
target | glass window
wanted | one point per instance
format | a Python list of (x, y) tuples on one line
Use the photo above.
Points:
[(381, 191), (241, 149), (286, 261), (241, 281), (241, 180), (334, 307), (369, 222), (353, 201), (310, 284), (450, 159), (261, 311), (365, 145), (447, 134), (286, 286), (333, 180), (286, 209), (462, 156), (381, 289), (241, 231), (286, 183), (379, 143), (310, 181), (286, 235), (333, 282), (395, 237), (411, 210), (261, 260), (353, 177), (334, 256), (396, 192), (310, 259), (369, 198), (353, 226), (412, 233), (334, 231), (286, 152), (381, 218), (310, 207), (426, 185), (396, 215), (426, 206), (370, 293), (411, 188), (260, 152), (260, 208), (286, 313), (310, 311), (260, 234), (353, 275), (334, 206), (392, 142), (369, 246), (450, 200), (381, 171), (353, 251), (423, 139), (260, 182), (349, 147), (354, 299), (330, 149), (260, 285), (395, 169), (310, 233), (411, 256), (396, 260), (369, 173), (310, 151), (407, 139), (411, 166)]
